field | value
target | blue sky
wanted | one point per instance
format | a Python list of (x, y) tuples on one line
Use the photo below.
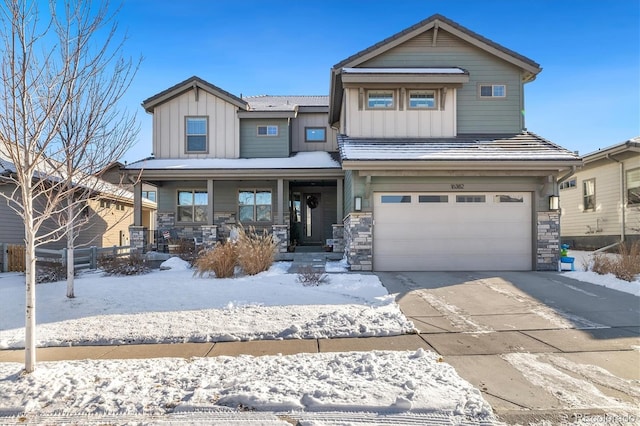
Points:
[(587, 96)]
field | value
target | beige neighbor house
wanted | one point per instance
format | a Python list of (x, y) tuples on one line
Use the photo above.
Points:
[(108, 216), (600, 203), (417, 160)]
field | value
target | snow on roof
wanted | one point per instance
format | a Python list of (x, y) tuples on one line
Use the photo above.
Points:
[(284, 103), (525, 146), (403, 71), (301, 160)]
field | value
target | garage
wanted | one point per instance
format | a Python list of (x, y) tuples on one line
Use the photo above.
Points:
[(423, 231)]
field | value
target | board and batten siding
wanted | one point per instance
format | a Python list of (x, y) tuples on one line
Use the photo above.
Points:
[(169, 126), (395, 123), (607, 216), (474, 115), (304, 120), (254, 146)]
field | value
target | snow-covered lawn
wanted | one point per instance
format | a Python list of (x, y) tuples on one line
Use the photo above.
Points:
[(582, 259), (176, 306)]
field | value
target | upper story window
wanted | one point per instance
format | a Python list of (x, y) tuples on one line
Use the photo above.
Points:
[(315, 134), (571, 183), (492, 90), (422, 99), (380, 99), (589, 194), (633, 186), (196, 133), (270, 130), (192, 206), (254, 205), (149, 195)]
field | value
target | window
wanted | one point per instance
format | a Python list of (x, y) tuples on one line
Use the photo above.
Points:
[(196, 134), (493, 91), (394, 199), (589, 194), (633, 186), (380, 99), (105, 204), (192, 206), (254, 205), (433, 198), (149, 195), (471, 198), (568, 184), (508, 199), (315, 134), (268, 130), (422, 99)]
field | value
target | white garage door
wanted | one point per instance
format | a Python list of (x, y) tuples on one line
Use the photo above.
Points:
[(416, 231)]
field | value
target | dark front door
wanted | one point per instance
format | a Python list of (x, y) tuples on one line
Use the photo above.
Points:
[(311, 206)]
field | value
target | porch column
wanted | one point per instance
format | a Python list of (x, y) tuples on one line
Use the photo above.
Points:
[(137, 203), (340, 200), (210, 202), (279, 219)]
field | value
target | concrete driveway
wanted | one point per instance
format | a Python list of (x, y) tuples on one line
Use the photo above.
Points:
[(538, 345)]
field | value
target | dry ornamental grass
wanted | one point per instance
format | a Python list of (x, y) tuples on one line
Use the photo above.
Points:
[(221, 260), (625, 266)]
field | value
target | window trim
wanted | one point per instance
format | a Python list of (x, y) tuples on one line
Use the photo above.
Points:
[(493, 87), (324, 134), (584, 195), (392, 92), (186, 134), (627, 188), (267, 127), (255, 204), (193, 205), (422, 91), (569, 184)]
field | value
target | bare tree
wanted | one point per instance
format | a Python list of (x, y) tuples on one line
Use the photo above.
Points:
[(62, 79)]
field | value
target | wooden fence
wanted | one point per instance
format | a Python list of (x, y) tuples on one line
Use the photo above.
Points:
[(13, 256)]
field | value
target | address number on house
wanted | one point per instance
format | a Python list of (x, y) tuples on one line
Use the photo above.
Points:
[(457, 186)]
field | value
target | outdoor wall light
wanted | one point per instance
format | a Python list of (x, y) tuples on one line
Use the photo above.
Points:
[(357, 204), (554, 202)]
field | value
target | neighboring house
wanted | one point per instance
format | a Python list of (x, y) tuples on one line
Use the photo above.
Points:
[(108, 216), (600, 203), (418, 159)]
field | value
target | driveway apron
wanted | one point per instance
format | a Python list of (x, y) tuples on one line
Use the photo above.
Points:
[(539, 346)]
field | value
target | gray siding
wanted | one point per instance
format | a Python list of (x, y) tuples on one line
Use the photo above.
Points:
[(474, 115), (348, 192), (254, 146), (312, 120)]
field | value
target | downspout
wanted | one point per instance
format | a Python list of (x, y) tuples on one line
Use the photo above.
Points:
[(622, 212)]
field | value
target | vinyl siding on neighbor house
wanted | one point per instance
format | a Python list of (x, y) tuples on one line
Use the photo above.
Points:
[(169, 126), (254, 146), (606, 218), (474, 115)]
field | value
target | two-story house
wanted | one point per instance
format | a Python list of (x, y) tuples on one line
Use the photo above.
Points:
[(434, 168), (600, 203)]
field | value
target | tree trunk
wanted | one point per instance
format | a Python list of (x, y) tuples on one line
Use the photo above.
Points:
[(30, 282), (70, 256)]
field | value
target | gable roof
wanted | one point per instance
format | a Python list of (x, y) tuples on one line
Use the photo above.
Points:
[(192, 83), (461, 152), (530, 67)]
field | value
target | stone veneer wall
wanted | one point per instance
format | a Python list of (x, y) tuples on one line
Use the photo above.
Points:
[(358, 240), (281, 235), (137, 238), (548, 247), (166, 220), (209, 235), (338, 238)]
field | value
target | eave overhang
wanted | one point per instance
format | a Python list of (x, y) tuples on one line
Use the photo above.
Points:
[(268, 114), (355, 76), (236, 174), (629, 146)]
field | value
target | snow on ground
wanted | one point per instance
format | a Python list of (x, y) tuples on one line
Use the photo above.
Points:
[(176, 306), (377, 381), (582, 260)]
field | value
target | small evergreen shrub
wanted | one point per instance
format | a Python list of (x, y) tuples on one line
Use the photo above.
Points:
[(256, 252), (220, 260), (134, 264)]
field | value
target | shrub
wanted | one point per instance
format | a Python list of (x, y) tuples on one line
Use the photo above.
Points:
[(310, 276), (49, 272), (625, 266), (134, 264), (255, 252), (221, 260)]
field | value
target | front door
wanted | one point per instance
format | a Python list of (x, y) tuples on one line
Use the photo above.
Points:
[(311, 207)]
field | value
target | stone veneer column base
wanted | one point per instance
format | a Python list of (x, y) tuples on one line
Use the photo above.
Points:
[(281, 235), (548, 246), (137, 238), (338, 238), (358, 240)]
